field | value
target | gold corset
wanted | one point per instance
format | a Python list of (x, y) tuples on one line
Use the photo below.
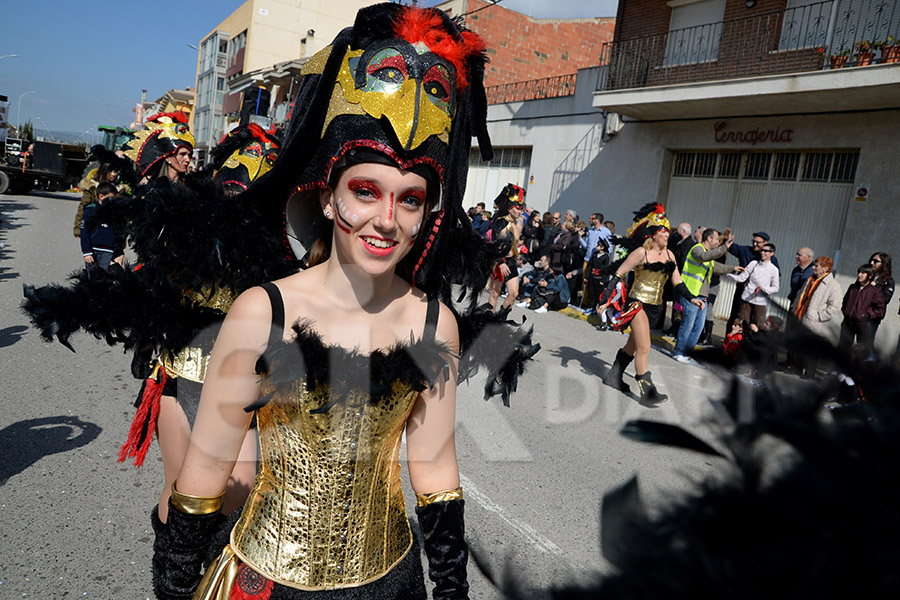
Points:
[(191, 363), (648, 284), (327, 510)]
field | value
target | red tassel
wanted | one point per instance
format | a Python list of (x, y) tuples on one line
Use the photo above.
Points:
[(133, 446)]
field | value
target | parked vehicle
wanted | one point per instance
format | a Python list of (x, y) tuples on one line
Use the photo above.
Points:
[(49, 165)]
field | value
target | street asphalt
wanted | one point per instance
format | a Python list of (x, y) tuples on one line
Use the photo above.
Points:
[(74, 522)]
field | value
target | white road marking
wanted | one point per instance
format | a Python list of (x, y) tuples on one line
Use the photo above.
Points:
[(527, 531)]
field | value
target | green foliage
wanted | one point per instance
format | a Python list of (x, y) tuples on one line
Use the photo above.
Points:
[(27, 132)]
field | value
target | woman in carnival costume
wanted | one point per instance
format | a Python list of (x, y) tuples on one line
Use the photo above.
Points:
[(337, 361), (198, 247), (505, 230), (653, 264), (162, 148)]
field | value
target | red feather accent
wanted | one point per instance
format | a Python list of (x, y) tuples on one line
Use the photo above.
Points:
[(426, 25), (659, 209), (179, 117), (134, 446)]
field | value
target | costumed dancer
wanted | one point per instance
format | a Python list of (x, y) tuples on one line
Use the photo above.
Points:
[(162, 148), (360, 346), (505, 229), (198, 247), (653, 264)]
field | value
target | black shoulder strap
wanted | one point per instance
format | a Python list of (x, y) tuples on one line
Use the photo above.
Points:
[(431, 318), (276, 333)]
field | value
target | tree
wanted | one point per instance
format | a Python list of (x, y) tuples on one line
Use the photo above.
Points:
[(27, 131)]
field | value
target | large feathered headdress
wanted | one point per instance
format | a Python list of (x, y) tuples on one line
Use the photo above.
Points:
[(404, 84), (162, 135)]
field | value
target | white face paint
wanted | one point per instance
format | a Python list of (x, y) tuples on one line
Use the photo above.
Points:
[(415, 229), (347, 213)]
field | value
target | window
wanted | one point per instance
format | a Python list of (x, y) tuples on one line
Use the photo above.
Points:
[(845, 164), (729, 165), (757, 165), (871, 20), (805, 25), (815, 166), (695, 164), (786, 164), (694, 32)]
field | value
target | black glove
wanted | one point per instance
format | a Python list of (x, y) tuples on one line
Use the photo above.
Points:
[(682, 290), (179, 551), (443, 531), (609, 290)]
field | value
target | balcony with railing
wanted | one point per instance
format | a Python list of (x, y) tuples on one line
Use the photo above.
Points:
[(788, 41), (817, 37)]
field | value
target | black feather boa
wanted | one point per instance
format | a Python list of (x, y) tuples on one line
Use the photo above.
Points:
[(812, 516), (187, 237)]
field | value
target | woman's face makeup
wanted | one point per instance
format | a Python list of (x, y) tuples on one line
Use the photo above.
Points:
[(378, 212), (181, 160)]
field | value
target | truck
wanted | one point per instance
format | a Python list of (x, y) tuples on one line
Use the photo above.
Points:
[(48, 165)]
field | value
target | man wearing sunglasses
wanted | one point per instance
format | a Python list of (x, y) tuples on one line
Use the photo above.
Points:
[(760, 280), (746, 254)]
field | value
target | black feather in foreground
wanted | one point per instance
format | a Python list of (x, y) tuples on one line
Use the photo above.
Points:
[(816, 519)]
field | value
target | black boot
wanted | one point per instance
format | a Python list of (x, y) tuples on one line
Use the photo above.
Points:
[(649, 393), (705, 335), (613, 377)]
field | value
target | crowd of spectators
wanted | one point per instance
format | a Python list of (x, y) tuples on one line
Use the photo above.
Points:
[(564, 260)]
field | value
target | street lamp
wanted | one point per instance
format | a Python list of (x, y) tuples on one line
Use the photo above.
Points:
[(19, 112), (46, 129)]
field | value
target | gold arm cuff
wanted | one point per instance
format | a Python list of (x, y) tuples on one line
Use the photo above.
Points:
[(196, 505), (445, 496)]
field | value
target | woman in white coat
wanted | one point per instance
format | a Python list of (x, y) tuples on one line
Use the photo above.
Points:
[(819, 305)]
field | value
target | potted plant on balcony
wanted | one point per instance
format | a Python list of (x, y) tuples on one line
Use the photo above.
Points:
[(864, 53), (890, 49), (839, 59)]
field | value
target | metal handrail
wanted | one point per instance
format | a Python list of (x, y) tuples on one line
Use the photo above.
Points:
[(532, 89), (785, 41)]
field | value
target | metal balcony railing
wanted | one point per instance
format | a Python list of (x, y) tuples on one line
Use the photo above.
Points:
[(534, 89), (804, 38)]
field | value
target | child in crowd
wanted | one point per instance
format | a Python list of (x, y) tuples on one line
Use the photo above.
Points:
[(100, 244)]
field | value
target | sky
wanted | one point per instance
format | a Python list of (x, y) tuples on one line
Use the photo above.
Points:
[(86, 61)]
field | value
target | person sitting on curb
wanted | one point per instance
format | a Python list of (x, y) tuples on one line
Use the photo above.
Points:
[(552, 293)]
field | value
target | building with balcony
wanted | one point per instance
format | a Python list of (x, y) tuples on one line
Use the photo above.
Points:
[(539, 82), (256, 36), (774, 115)]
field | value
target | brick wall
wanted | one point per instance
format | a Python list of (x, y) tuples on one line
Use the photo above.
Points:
[(521, 48)]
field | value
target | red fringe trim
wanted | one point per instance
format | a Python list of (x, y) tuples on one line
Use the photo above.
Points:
[(426, 25), (133, 447), (434, 230)]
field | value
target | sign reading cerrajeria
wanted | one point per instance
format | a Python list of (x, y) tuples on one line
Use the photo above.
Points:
[(752, 136)]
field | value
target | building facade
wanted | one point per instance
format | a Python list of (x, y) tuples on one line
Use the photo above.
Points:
[(773, 115), (256, 36)]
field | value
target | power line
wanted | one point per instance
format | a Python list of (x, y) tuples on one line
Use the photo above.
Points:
[(493, 3)]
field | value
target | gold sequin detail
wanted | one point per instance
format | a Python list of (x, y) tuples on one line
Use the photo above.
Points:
[(398, 107), (327, 510), (648, 285), (316, 64), (190, 363)]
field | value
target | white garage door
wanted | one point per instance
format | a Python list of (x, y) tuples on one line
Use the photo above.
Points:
[(486, 179), (799, 198)]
